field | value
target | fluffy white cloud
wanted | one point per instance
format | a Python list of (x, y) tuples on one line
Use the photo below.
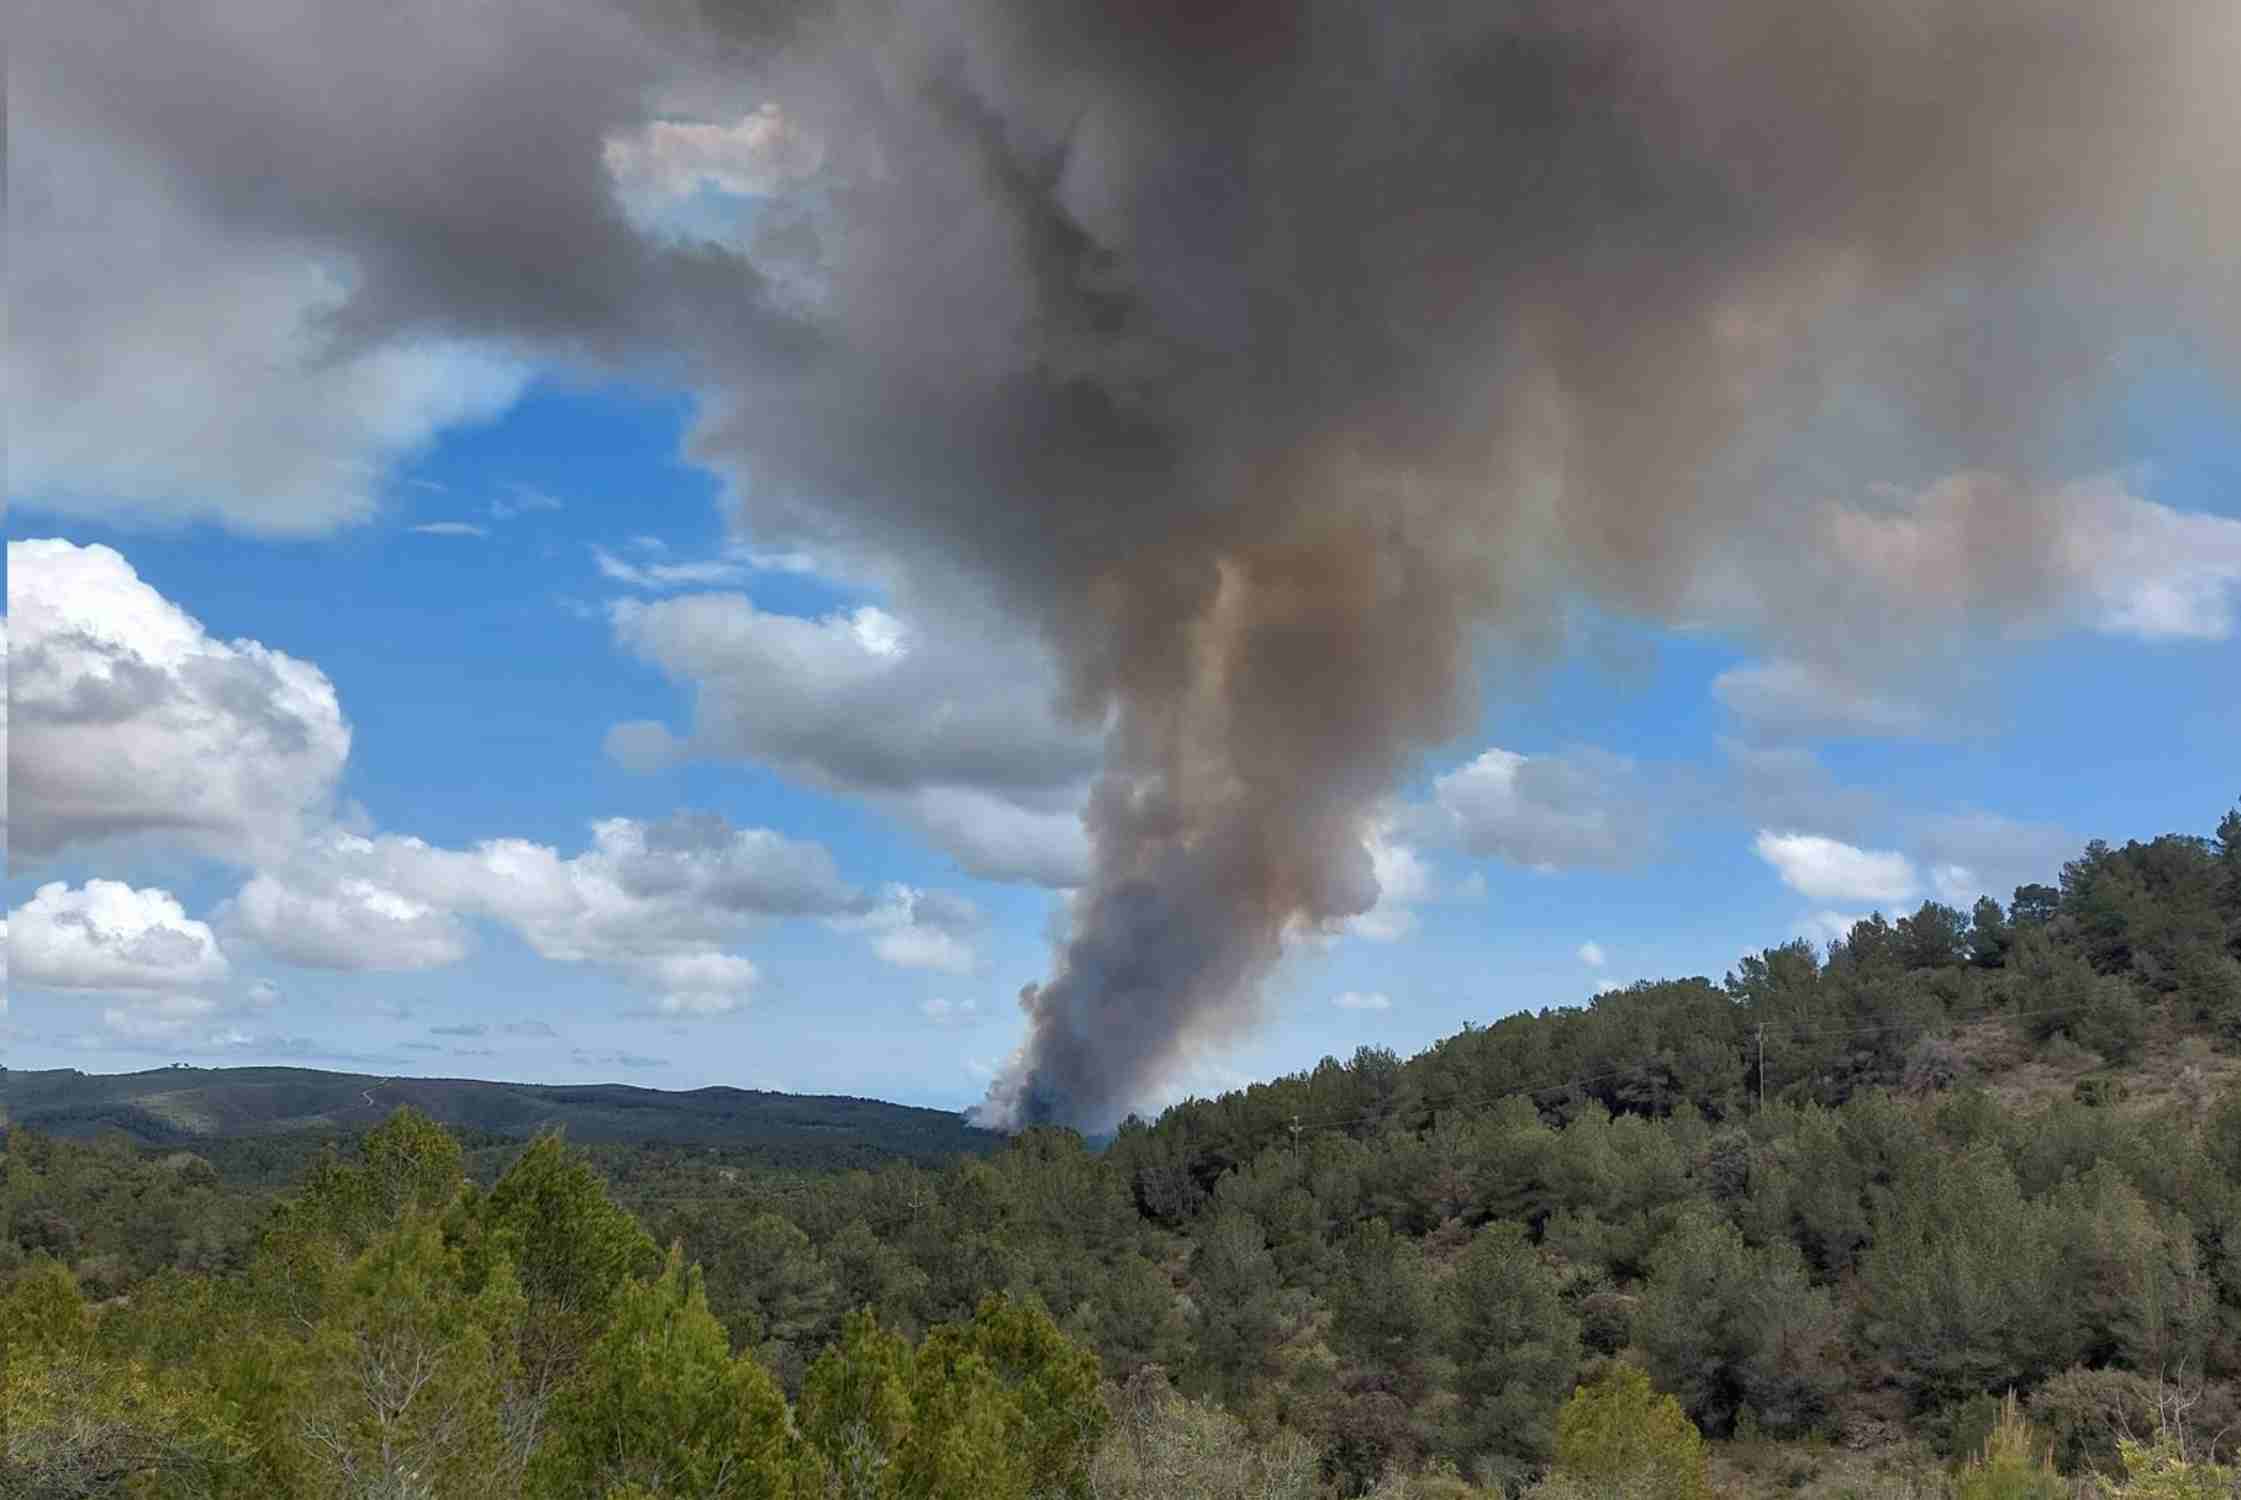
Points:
[(130, 719), (997, 837), (924, 948), (917, 929), (1591, 954), (110, 937), (163, 974), (1823, 869), (654, 902), (1548, 811), (345, 921), (1956, 885), (947, 727), (1362, 1000), (950, 1012), (697, 984), (1404, 881)]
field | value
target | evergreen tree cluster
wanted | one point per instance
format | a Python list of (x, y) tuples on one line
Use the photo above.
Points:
[(1564, 1249)]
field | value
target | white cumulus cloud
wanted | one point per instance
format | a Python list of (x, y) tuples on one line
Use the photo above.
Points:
[(1404, 881), (1548, 812), (950, 729), (112, 937), (655, 902), (919, 929), (1823, 869), (1362, 1000), (129, 719), (344, 921)]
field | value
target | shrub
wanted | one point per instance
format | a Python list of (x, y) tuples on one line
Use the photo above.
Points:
[(2162, 1470), (1162, 1445), (2012, 1465), (1961, 1428), (1619, 1434), (2084, 1412), (1607, 1321)]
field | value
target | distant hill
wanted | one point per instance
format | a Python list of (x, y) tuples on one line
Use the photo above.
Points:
[(180, 1105)]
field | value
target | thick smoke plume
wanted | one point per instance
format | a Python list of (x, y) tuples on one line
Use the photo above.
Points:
[(1265, 355), (1265, 352)]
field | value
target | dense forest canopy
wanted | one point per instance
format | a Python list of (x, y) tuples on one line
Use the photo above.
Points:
[(1839, 1204)]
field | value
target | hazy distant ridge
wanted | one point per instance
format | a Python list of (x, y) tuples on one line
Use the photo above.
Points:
[(174, 1104)]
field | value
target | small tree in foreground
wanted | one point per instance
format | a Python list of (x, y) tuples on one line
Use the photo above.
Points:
[(2015, 1463), (1620, 1435)]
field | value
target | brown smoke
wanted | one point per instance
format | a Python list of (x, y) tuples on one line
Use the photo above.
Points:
[(1261, 354)]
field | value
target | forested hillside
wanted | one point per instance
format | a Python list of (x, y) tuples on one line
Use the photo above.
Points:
[(1798, 1231), (192, 1106)]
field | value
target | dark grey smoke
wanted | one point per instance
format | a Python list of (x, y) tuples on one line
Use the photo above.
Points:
[(1262, 355)]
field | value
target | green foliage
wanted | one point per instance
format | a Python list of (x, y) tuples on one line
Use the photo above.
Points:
[(662, 1407), (571, 1249), (257, 1123), (1237, 1321), (1515, 1344), (2085, 1412), (1726, 1325), (2129, 1281), (2206, 989), (1955, 1281), (1962, 1429), (1002, 1407), (2012, 1465), (2162, 1470), (1385, 1311), (1166, 1448), (42, 1311), (1393, 1297), (407, 1166), (400, 1386), (73, 1427), (1133, 1318), (1619, 1433)]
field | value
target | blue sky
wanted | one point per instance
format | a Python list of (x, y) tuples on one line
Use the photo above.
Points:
[(454, 641), (480, 677)]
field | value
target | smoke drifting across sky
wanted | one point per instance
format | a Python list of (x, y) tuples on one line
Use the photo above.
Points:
[(1260, 356)]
